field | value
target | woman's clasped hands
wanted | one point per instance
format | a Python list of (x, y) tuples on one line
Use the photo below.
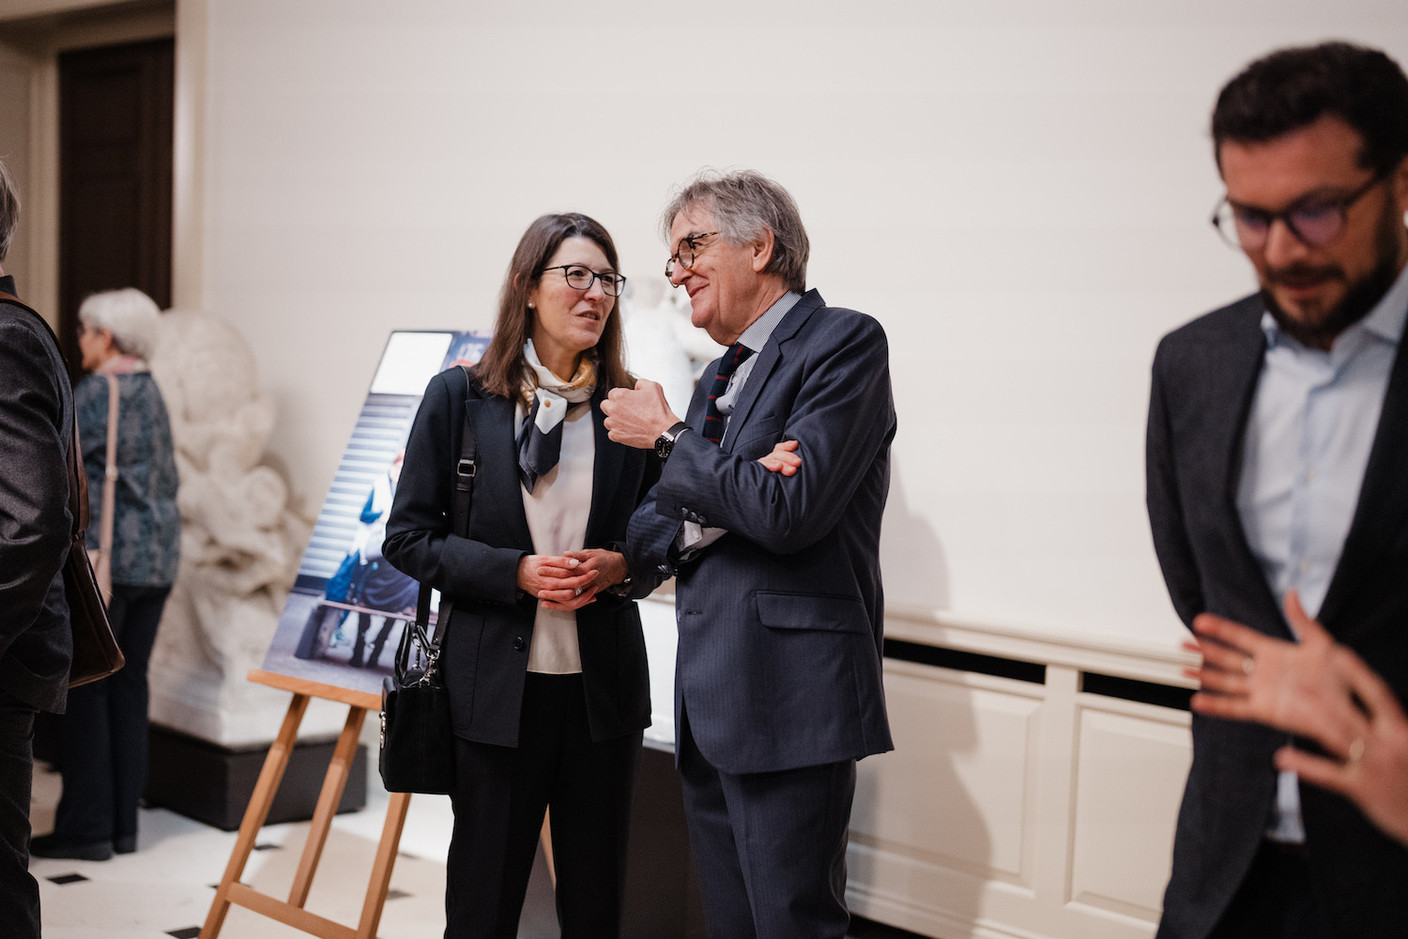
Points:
[(572, 580)]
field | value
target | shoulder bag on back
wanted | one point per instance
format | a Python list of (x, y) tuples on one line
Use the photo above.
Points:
[(95, 651)]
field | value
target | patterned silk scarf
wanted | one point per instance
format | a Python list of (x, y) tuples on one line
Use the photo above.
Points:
[(548, 398)]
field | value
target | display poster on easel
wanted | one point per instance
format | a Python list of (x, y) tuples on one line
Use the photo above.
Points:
[(344, 616)]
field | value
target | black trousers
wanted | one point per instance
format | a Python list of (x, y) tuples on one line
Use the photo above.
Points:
[(1277, 899), (19, 891), (104, 731), (499, 798), (769, 848)]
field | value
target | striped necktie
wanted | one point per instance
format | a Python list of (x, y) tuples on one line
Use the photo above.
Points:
[(714, 422)]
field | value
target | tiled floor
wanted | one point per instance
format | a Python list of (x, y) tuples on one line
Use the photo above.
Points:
[(165, 889)]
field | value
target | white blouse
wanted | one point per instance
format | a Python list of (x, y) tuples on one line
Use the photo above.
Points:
[(557, 511)]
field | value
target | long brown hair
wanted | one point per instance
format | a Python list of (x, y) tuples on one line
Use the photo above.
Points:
[(501, 369)]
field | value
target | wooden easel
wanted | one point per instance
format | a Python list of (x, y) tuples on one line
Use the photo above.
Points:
[(291, 911)]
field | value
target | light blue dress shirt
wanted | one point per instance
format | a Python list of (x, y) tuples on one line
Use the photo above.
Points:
[(1308, 436), (754, 337)]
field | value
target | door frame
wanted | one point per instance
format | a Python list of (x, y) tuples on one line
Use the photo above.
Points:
[(43, 37)]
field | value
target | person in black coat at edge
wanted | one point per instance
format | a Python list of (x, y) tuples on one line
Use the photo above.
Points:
[(36, 431)]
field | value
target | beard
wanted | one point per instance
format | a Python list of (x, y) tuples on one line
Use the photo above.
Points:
[(1359, 298)]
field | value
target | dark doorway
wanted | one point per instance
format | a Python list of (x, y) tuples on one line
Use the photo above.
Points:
[(115, 143)]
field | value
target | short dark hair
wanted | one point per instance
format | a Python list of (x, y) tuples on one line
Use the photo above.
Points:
[(1292, 88), (502, 369)]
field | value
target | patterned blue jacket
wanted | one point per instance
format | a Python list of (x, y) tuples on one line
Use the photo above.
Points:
[(147, 525)]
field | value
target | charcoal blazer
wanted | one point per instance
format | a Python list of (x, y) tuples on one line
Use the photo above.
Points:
[(780, 621), (1204, 378), (36, 431), (490, 631)]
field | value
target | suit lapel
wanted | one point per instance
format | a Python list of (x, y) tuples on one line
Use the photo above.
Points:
[(1383, 496), (1233, 374), (493, 420), (768, 358), (1236, 377)]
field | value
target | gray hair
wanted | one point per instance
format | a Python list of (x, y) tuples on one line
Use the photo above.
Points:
[(9, 211), (744, 203), (128, 314)]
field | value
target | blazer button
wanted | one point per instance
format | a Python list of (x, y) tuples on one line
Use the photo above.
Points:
[(518, 644)]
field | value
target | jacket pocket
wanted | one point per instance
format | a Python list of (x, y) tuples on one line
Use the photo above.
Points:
[(812, 611)]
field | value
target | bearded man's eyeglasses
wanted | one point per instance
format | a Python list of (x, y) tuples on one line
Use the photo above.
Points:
[(1315, 220)]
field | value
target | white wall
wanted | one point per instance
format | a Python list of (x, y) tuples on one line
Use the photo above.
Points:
[(1018, 190)]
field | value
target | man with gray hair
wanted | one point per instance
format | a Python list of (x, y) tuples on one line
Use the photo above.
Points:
[(767, 513), (36, 431)]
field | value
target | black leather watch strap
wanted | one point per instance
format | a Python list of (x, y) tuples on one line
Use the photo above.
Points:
[(665, 443)]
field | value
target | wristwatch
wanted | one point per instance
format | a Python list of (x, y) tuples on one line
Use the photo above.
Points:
[(666, 441)]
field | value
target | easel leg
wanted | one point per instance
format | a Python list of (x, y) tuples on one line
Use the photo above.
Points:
[(328, 799), (259, 803), (385, 860)]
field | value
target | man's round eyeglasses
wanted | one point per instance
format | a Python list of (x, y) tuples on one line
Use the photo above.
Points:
[(1315, 220), (684, 257), (581, 278)]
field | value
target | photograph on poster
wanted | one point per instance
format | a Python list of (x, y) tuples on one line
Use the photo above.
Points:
[(343, 619)]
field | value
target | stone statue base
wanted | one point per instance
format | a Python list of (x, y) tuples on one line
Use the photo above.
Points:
[(213, 784)]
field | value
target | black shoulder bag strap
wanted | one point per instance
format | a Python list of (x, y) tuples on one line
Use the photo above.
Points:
[(465, 470)]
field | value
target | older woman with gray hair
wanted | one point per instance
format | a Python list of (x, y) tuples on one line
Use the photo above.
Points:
[(104, 748)]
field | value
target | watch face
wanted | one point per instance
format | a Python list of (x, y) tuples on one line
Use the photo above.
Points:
[(663, 445)]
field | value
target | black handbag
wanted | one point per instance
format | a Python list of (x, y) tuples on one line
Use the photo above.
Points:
[(417, 752), (417, 743), (95, 650)]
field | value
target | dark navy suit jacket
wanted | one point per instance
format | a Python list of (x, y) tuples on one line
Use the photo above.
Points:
[(781, 620), (490, 631), (1204, 377)]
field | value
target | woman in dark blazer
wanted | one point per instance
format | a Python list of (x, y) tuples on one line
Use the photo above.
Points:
[(543, 653)]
